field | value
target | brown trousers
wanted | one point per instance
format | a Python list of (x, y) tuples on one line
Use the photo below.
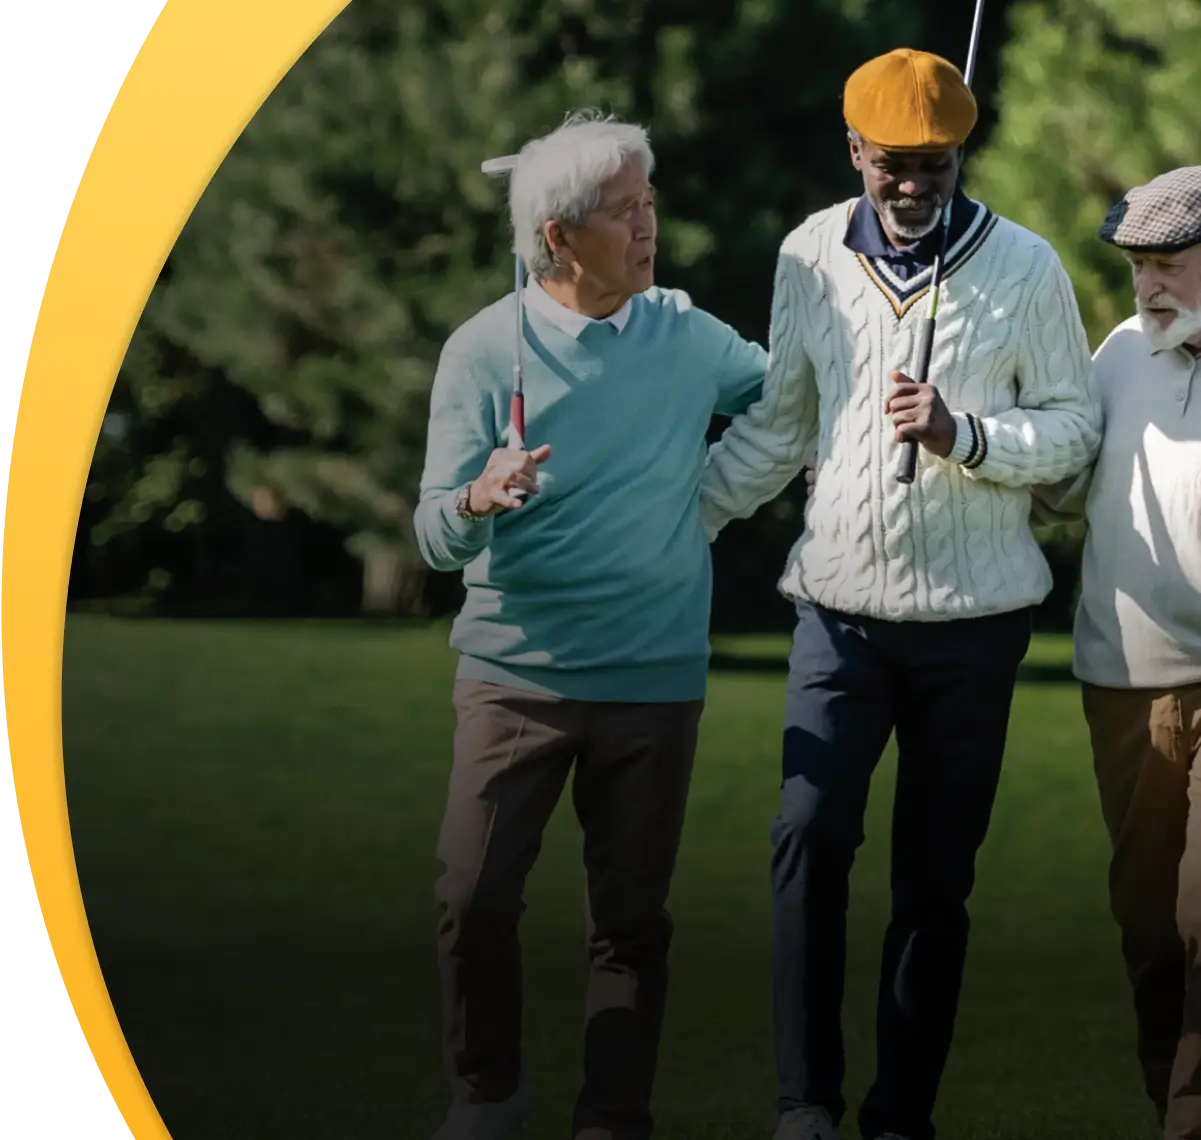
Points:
[(1147, 758), (513, 752)]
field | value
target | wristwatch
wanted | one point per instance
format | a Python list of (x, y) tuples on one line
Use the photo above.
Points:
[(463, 505)]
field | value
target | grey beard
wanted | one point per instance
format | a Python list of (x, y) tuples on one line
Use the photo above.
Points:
[(910, 232)]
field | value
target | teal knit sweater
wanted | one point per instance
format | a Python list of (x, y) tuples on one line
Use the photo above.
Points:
[(599, 587)]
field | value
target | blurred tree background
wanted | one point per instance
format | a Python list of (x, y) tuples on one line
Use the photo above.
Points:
[(1096, 96), (265, 436)]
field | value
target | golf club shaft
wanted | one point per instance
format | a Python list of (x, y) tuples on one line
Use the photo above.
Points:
[(969, 69), (502, 166), (907, 463), (517, 400)]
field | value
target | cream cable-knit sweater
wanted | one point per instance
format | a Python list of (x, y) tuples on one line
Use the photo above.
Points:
[(1009, 348)]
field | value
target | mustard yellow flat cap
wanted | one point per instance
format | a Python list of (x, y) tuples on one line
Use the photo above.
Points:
[(910, 101)]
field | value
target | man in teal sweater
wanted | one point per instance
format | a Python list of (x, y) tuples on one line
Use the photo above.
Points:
[(584, 637)]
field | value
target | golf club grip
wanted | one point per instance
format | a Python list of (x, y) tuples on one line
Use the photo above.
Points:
[(517, 430), (907, 466), (517, 421)]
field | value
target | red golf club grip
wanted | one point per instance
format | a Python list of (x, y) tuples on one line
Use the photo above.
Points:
[(517, 430), (517, 417)]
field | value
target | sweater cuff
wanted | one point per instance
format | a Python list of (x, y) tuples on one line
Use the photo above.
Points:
[(971, 444)]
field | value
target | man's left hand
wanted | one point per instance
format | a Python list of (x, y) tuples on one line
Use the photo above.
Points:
[(918, 413)]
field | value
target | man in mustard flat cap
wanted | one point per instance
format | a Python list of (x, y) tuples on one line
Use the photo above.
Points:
[(913, 602), (1138, 629)]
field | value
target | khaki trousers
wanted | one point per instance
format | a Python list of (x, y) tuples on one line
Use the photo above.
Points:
[(513, 752), (1146, 750)]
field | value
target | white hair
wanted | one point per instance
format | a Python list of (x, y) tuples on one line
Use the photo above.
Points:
[(560, 176)]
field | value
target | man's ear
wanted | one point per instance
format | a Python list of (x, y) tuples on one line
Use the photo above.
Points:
[(856, 151), (558, 242)]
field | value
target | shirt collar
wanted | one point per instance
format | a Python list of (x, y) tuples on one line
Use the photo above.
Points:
[(569, 320), (1181, 355), (866, 235)]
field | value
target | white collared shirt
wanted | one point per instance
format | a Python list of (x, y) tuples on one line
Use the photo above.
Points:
[(569, 320)]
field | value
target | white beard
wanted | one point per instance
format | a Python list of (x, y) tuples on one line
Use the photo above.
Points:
[(910, 233), (1187, 324)]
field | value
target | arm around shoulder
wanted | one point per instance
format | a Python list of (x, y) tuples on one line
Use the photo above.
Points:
[(1053, 432), (765, 445)]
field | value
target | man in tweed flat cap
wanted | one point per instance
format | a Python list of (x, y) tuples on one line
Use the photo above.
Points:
[(912, 602), (1138, 629)]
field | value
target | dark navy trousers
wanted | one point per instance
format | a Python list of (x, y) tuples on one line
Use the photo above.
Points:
[(945, 688)]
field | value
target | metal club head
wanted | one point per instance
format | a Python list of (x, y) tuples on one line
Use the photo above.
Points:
[(499, 167)]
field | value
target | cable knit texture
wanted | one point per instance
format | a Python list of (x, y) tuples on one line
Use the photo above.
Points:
[(1009, 347)]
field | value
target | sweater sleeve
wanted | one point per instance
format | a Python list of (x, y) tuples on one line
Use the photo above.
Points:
[(766, 445), (1067, 499), (738, 366), (1063, 501), (1054, 430), (460, 438)]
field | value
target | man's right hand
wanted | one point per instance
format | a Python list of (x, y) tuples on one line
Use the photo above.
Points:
[(506, 471)]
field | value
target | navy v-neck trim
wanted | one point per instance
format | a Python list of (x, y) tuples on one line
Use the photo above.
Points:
[(971, 224)]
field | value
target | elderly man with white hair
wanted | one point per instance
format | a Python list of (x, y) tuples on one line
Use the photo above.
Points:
[(583, 639), (1138, 628)]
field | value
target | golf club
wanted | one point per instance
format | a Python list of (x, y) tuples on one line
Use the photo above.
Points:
[(499, 168), (907, 466)]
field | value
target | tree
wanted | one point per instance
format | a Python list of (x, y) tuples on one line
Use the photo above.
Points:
[(157, 520), (1095, 96), (288, 350), (346, 234)]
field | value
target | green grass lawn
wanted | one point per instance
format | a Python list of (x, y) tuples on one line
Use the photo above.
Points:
[(254, 810)]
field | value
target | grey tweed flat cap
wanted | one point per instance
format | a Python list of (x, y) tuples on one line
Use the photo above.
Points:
[(1164, 216)]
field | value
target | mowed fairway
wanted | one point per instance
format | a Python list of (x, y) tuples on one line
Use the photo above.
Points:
[(254, 811)]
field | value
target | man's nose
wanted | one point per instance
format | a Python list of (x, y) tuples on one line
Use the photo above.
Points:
[(1147, 286)]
